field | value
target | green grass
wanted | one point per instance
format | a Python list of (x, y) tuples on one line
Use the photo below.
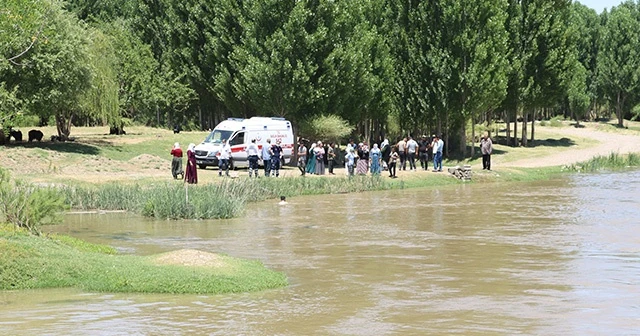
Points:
[(216, 200), (613, 161), (29, 262)]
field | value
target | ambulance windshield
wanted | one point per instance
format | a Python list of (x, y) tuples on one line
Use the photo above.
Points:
[(216, 136)]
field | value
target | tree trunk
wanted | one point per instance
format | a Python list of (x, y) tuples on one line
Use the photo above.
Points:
[(619, 111), (533, 128), (463, 140), (63, 126), (473, 137), (515, 130), (524, 128), (508, 122)]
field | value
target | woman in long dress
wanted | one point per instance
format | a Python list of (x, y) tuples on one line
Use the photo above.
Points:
[(191, 175), (375, 160), (362, 167), (320, 156), (311, 163)]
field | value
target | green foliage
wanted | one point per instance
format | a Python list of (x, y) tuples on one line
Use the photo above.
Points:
[(326, 128), (82, 245), (619, 59), (28, 206)]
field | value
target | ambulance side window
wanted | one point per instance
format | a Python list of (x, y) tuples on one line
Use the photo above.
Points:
[(238, 139)]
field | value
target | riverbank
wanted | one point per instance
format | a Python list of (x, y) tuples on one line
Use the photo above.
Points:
[(31, 262)]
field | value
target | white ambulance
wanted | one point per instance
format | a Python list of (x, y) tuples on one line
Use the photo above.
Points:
[(239, 132)]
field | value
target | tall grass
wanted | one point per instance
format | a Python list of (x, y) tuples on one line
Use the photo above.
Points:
[(611, 161), (219, 200)]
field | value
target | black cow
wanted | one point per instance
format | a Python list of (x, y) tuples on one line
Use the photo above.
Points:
[(17, 135), (117, 131), (35, 135)]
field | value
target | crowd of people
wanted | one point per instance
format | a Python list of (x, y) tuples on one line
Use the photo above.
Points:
[(317, 158), (360, 159)]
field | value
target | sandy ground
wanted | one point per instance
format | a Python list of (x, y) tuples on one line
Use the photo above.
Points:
[(608, 142)]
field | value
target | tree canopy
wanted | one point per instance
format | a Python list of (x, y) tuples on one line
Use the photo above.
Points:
[(387, 67)]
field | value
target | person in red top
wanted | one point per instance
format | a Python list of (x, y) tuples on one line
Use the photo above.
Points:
[(176, 163)]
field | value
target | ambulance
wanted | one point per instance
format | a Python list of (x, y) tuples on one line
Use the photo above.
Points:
[(238, 132)]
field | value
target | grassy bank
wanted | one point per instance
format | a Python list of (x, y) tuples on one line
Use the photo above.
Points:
[(29, 261)]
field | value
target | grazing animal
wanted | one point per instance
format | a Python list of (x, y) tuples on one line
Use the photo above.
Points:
[(35, 135), (17, 135), (117, 131), (176, 129)]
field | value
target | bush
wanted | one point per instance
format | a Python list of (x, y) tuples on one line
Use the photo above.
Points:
[(326, 128), (28, 206)]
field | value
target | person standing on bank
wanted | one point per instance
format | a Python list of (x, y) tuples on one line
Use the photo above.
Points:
[(225, 156), (266, 158), (302, 157), (486, 147), (434, 148), (401, 147), (191, 176), (423, 146), (393, 161), (252, 156), (176, 163), (332, 157), (412, 149), (375, 155), (349, 161), (320, 157), (276, 151)]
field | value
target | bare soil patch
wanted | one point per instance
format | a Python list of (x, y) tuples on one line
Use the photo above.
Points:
[(188, 257)]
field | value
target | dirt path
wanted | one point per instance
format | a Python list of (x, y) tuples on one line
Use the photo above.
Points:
[(609, 142)]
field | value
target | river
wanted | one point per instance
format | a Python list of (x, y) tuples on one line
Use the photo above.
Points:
[(559, 257)]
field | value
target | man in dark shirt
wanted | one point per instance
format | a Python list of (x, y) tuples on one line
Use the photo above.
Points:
[(276, 151), (423, 151)]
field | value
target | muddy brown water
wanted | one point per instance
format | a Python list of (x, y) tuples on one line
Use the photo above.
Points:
[(558, 257)]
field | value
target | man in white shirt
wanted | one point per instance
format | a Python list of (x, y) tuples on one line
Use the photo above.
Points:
[(252, 157), (412, 148), (434, 148), (402, 147), (223, 159)]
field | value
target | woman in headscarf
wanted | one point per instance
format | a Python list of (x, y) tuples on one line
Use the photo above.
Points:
[(375, 160), (385, 150), (176, 163), (311, 163), (191, 175), (362, 167), (319, 154)]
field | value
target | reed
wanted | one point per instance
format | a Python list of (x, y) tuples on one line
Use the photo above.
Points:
[(226, 199), (613, 161)]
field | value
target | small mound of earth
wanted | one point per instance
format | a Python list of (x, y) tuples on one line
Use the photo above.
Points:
[(188, 257)]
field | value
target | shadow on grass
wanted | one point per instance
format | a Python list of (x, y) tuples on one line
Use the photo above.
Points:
[(62, 147), (562, 142)]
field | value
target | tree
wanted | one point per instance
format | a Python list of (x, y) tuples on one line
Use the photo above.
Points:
[(477, 44), (619, 58)]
